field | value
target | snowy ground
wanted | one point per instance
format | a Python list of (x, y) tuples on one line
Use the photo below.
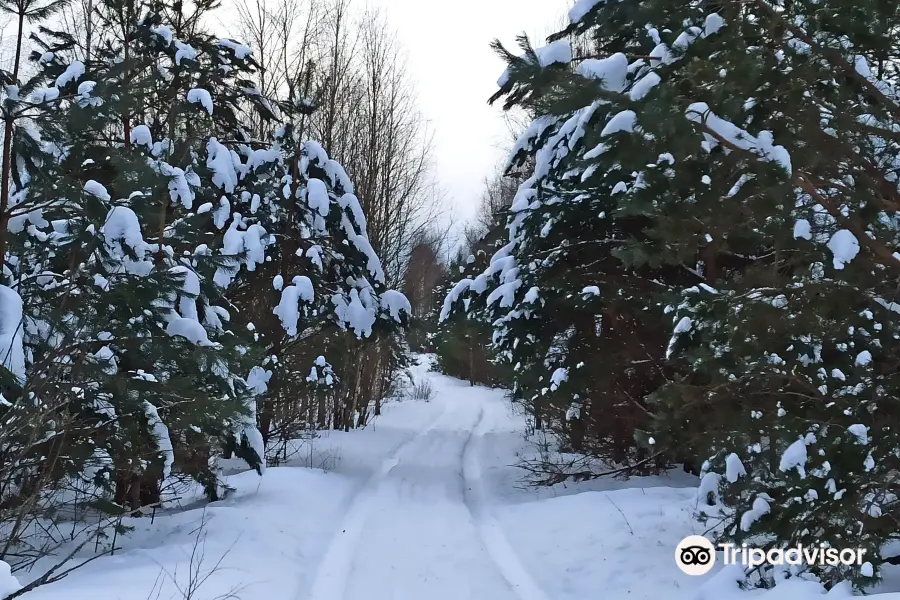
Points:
[(424, 503)]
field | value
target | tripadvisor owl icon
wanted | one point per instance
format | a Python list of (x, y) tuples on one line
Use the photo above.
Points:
[(695, 555)]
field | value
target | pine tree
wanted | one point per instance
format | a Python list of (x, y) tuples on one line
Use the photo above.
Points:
[(741, 158), (582, 330), (462, 341), (789, 354), (127, 337), (315, 286)]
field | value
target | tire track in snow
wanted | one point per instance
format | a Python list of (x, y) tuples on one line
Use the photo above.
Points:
[(333, 572), (498, 547)]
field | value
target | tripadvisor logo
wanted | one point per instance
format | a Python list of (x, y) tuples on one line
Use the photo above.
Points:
[(696, 555)]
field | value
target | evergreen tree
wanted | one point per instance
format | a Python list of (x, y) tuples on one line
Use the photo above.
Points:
[(126, 336), (581, 329), (462, 341), (734, 164), (315, 289)]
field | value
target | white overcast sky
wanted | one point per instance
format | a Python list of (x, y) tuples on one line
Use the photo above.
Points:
[(455, 72)]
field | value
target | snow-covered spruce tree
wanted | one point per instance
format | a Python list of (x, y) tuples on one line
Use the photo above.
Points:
[(126, 338), (583, 328), (462, 341), (747, 145), (782, 196), (314, 284)]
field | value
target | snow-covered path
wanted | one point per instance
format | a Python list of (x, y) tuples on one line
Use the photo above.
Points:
[(423, 503), (421, 527)]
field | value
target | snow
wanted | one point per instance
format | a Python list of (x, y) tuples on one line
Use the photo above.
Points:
[(179, 183), (458, 290), (644, 86), (45, 95), (221, 214), (864, 358), (350, 202), (611, 71), (258, 380), (12, 353), (358, 313), (802, 229), (258, 383), (714, 22), (8, 582), (221, 163), (96, 189), (761, 145), (734, 468), (259, 554), (85, 89), (141, 136), (189, 329), (184, 51), (860, 431), (559, 376), (314, 254), (73, 72), (844, 246), (394, 303), (622, 121), (757, 511), (288, 309), (317, 196), (532, 295), (424, 503), (684, 325), (373, 263), (339, 178), (505, 293), (581, 9), (558, 52), (202, 97), (709, 488), (241, 51), (726, 583), (122, 225), (262, 156), (161, 433), (794, 457), (187, 305), (164, 32)]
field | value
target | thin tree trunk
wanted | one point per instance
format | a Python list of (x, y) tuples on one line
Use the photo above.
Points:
[(471, 361), (265, 422), (7, 150)]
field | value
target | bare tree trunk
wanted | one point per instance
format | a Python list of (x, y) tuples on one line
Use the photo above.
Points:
[(7, 147)]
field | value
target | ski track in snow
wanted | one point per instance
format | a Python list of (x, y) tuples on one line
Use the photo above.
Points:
[(330, 580), (502, 553), (421, 526)]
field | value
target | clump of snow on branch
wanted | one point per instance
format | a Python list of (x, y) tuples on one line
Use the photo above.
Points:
[(288, 309), (241, 51), (762, 145), (12, 353), (202, 97), (161, 434)]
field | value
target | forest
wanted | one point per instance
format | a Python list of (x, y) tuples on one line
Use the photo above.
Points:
[(232, 255)]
